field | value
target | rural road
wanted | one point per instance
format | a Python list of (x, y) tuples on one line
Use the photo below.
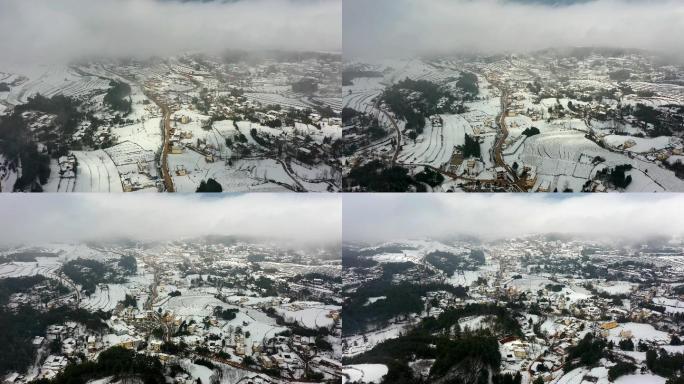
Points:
[(166, 129), (498, 146)]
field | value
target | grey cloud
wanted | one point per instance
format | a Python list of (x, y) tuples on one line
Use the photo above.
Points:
[(37, 219), (399, 216), (45, 30), (391, 28)]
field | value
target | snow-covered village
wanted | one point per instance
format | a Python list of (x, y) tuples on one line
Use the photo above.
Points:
[(554, 120), (532, 308), (215, 310), (237, 307), (540, 309), (236, 122)]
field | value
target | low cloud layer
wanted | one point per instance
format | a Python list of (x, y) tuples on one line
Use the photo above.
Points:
[(38, 219), (373, 217), (395, 28), (46, 30)]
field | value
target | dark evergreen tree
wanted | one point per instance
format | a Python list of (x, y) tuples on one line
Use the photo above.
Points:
[(210, 185)]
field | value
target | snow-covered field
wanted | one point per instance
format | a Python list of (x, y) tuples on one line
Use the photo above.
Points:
[(411, 250), (416, 70), (529, 283), (358, 344), (96, 172), (364, 373), (311, 315), (105, 297), (564, 159), (474, 323), (465, 278), (49, 81), (638, 332), (641, 144), (64, 252), (245, 175), (436, 144), (190, 304), (260, 326), (576, 376), (560, 157), (274, 98), (641, 379), (671, 305), (19, 269), (253, 174), (195, 305), (362, 101), (615, 287), (198, 372)]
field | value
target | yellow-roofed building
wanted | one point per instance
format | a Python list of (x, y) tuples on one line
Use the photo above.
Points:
[(609, 325)]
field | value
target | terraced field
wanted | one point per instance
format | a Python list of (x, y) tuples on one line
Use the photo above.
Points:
[(96, 172), (56, 81), (568, 154), (436, 144), (105, 297)]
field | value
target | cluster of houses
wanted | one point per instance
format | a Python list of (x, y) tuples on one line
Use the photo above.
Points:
[(61, 342), (225, 99), (41, 296), (232, 343)]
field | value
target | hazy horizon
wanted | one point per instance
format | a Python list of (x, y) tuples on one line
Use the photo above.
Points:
[(73, 218), (46, 32), (407, 28), (391, 217)]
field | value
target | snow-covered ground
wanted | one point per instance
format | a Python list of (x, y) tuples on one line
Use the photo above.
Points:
[(563, 159), (204, 374), (105, 297), (436, 145), (640, 144), (364, 373), (671, 305), (529, 283), (474, 323), (49, 80), (576, 376), (311, 315), (358, 344), (19, 269), (245, 175), (638, 332), (411, 250), (252, 174), (193, 304), (641, 379), (465, 278), (96, 172), (615, 287)]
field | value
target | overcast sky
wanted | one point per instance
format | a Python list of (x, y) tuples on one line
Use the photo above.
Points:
[(43, 218), (49, 30), (389, 28), (376, 217)]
